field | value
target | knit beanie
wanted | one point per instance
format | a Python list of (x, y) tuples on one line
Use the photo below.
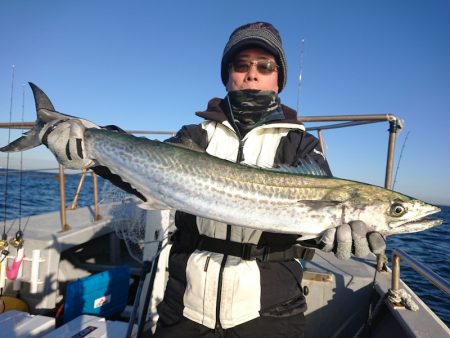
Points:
[(255, 35)]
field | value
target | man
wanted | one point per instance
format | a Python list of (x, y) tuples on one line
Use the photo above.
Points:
[(227, 280), (208, 283)]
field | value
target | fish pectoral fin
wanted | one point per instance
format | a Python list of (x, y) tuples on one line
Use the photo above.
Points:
[(154, 205)]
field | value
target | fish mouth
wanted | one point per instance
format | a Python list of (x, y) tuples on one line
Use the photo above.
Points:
[(414, 226), (417, 224), (425, 222)]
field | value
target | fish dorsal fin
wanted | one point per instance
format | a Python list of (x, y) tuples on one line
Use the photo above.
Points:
[(187, 144), (304, 167), (40, 98)]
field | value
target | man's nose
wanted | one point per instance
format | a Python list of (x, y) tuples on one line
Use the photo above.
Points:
[(252, 73)]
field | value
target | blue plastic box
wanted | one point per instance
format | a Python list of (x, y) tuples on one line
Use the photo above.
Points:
[(103, 294)]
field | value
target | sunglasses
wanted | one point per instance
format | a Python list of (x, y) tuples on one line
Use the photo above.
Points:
[(263, 66)]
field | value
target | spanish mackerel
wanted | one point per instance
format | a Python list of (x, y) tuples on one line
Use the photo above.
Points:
[(174, 177)]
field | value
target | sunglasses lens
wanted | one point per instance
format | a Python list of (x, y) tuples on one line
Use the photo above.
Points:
[(241, 66), (266, 66), (263, 66)]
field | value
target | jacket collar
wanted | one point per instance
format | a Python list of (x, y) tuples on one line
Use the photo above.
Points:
[(215, 111)]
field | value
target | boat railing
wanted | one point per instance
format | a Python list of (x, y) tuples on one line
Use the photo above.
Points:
[(438, 281), (74, 205), (332, 122)]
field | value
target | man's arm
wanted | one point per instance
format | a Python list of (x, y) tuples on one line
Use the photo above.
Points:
[(298, 145), (191, 136)]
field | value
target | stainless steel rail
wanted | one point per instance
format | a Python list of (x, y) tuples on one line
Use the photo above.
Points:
[(395, 125), (438, 281)]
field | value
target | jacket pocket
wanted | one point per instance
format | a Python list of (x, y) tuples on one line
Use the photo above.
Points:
[(285, 309)]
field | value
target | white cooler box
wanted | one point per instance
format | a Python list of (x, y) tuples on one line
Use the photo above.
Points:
[(92, 327), (19, 324)]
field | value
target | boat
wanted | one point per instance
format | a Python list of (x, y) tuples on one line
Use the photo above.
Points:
[(359, 297)]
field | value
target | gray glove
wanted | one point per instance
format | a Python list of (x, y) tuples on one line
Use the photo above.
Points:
[(353, 237), (65, 139)]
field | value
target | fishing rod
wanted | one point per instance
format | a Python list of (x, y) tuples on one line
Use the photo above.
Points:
[(14, 269), (21, 163), (302, 42), (399, 159), (4, 241), (17, 241)]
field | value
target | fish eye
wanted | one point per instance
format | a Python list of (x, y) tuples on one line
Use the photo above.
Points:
[(397, 210)]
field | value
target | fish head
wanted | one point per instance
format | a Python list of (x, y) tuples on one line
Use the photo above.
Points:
[(405, 215)]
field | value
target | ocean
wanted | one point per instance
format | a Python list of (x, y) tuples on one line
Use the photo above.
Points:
[(40, 194)]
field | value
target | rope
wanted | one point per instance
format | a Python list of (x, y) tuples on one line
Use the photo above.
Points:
[(400, 296), (381, 263), (367, 325)]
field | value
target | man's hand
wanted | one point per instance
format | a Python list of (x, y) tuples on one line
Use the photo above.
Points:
[(353, 237), (65, 139)]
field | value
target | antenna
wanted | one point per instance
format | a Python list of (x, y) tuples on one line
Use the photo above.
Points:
[(302, 49)]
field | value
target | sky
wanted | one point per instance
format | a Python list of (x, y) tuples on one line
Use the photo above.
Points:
[(150, 65)]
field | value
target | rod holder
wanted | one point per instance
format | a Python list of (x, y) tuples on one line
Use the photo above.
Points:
[(62, 195), (74, 204)]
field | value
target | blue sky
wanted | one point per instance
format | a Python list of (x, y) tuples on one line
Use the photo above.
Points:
[(151, 65)]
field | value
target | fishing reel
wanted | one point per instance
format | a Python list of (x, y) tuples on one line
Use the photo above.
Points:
[(17, 240), (4, 245)]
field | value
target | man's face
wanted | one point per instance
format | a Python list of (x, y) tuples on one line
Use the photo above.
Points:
[(252, 79)]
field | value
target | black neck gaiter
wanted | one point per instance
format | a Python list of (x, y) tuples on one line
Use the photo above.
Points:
[(251, 108)]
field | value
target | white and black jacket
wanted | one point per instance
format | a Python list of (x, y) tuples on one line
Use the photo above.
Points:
[(219, 290)]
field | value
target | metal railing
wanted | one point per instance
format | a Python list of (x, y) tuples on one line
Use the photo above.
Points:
[(395, 125), (438, 281)]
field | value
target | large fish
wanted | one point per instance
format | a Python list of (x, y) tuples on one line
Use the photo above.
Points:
[(170, 176)]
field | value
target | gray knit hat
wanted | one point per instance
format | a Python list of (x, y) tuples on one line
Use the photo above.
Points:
[(258, 34)]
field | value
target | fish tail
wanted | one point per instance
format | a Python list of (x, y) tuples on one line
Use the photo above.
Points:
[(45, 113)]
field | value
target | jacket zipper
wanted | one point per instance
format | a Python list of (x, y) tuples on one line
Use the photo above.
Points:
[(240, 151), (219, 283), (218, 326)]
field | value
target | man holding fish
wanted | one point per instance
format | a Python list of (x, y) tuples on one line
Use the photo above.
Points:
[(225, 279), (230, 278)]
